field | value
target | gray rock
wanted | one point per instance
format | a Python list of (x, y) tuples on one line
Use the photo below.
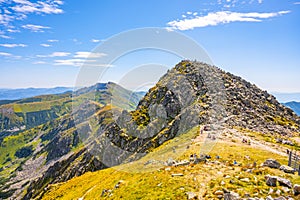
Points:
[(296, 189), (280, 198), (191, 195), (284, 182), (287, 169), (272, 163), (247, 180), (271, 181), (231, 196)]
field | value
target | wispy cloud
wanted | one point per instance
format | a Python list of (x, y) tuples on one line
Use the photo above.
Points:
[(222, 17), (5, 36), (10, 30), (13, 45), (39, 63), (35, 28), (297, 3), (95, 40), (80, 62), (9, 55), (54, 54), (45, 45), (83, 58), (16, 10), (4, 54), (53, 40), (71, 62), (46, 7), (84, 54)]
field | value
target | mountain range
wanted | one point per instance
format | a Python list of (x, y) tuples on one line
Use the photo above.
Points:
[(105, 141), (15, 94), (295, 106)]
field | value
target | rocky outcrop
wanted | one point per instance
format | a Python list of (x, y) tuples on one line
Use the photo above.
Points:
[(287, 169), (272, 163)]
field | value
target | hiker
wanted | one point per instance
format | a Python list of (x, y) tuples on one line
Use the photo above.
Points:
[(234, 162)]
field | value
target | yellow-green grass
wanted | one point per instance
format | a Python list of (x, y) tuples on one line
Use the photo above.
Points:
[(155, 181)]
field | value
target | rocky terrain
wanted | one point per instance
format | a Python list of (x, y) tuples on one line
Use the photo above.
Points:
[(104, 131)]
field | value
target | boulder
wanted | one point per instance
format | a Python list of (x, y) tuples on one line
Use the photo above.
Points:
[(272, 163), (296, 189), (284, 182), (231, 196), (271, 181), (287, 169)]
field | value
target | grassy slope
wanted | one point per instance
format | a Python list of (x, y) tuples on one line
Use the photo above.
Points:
[(155, 181)]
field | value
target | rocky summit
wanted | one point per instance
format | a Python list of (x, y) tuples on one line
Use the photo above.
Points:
[(194, 104)]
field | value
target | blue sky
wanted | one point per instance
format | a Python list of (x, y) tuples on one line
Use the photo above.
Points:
[(43, 43)]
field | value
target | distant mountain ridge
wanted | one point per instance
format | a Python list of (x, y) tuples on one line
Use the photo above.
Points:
[(286, 97), (295, 106), (14, 94)]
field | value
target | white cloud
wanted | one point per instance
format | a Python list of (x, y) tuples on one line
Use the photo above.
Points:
[(12, 30), (47, 7), (45, 45), (297, 3), (9, 55), (260, 1), (5, 54), (52, 40), (14, 10), (72, 62), (79, 63), (83, 54), (5, 36), (35, 28), (55, 54), (222, 17), (13, 45), (39, 63), (95, 40)]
